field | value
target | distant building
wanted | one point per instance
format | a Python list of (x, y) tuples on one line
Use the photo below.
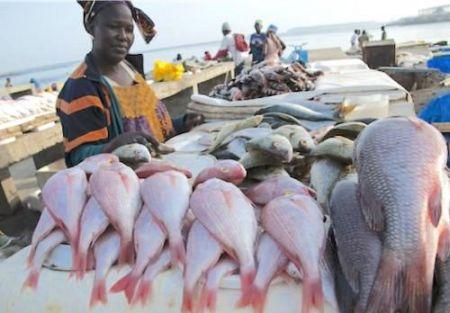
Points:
[(435, 10)]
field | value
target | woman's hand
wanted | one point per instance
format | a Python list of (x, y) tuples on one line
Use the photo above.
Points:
[(192, 120), (130, 138)]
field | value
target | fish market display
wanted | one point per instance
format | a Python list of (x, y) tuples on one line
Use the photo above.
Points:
[(404, 195), (267, 81)]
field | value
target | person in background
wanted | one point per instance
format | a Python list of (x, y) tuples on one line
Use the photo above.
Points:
[(8, 83), (106, 103), (228, 46), (383, 33), (354, 40), (273, 46), (179, 57), (363, 38), (257, 43), (207, 56), (36, 84)]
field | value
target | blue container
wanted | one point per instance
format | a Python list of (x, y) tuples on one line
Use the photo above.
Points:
[(304, 56), (440, 62)]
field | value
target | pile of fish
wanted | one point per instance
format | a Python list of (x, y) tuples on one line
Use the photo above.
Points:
[(265, 81), (364, 227)]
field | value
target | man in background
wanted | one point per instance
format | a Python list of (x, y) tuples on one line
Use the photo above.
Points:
[(363, 38), (383, 33), (354, 40), (8, 83), (235, 45), (257, 43)]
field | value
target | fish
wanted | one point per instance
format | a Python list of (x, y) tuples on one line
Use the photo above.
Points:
[(228, 129), (226, 170), (254, 159), (266, 172), (149, 241), (271, 262), (116, 189), (65, 196), (203, 252), (296, 111), (166, 195), (323, 176), (336, 148), (133, 153), (349, 130), (44, 227), (248, 134), (442, 274), (296, 223), (106, 252), (403, 190), (208, 297), (298, 136), (93, 163), (358, 247), (43, 250), (229, 216), (275, 187), (157, 166), (144, 290), (276, 120), (92, 224), (275, 146)]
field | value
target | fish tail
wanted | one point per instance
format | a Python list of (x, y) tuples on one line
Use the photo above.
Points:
[(258, 299), (81, 264), (178, 252), (126, 254), (419, 285), (98, 294), (32, 280), (143, 293), (312, 295), (387, 290), (31, 256), (247, 277), (188, 304)]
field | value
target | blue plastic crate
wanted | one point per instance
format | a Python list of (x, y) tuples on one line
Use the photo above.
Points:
[(440, 62)]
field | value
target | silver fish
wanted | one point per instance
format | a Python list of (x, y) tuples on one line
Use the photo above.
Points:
[(337, 148), (298, 136), (272, 145), (296, 111)]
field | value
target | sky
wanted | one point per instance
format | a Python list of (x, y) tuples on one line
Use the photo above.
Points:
[(54, 28)]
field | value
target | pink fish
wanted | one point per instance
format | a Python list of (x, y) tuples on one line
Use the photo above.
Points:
[(106, 252), (65, 196), (227, 170), (275, 187), (144, 290), (208, 298), (117, 191), (93, 223), (155, 166), (271, 262), (166, 195), (229, 216), (93, 163), (203, 251), (43, 250), (403, 190), (44, 227), (148, 242), (296, 224)]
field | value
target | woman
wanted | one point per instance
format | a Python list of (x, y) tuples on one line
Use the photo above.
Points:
[(106, 103), (273, 46)]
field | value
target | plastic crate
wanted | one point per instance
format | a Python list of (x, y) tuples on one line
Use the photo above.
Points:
[(441, 62)]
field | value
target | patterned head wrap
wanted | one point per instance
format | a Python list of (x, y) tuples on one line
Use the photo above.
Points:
[(143, 21)]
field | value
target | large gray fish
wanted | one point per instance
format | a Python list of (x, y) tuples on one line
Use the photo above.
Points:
[(296, 111), (336, 148), (298, 136), (273, 145), (358, 247), (442, 304), (403, 191), (323, 176)]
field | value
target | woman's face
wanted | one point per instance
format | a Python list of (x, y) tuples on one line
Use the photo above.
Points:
[(113, 33)]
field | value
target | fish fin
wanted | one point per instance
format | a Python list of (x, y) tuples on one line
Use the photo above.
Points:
[(121, 284), (126, 252), (351, 274), (143, 293), (371, 209), (187, 302), (127, 284), (31, 255), (435, 205), (98, 294), (419, 285), (312, 295), (444, 245), (178, 252), (247, 278), (32, 280)]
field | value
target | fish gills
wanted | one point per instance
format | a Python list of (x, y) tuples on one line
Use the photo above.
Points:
[(166, 195), (296, 224), (229, 216)]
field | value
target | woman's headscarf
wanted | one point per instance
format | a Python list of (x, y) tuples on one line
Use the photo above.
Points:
[(143, 21)]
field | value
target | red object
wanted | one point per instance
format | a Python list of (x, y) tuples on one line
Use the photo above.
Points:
[(207, 56), (241, 44)]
